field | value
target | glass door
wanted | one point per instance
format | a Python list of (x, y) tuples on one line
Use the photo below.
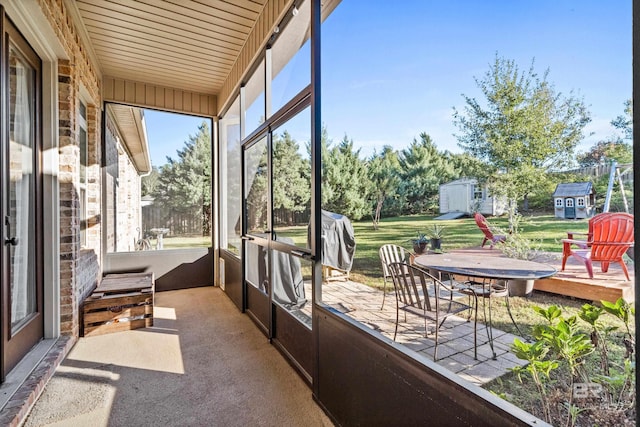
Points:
[(22, 325), (277, 211), (257, 234)]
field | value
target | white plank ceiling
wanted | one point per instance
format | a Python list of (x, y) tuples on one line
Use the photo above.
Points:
[(184, 44)]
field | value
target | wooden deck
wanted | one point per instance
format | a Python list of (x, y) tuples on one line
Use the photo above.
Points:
[(575, 281)]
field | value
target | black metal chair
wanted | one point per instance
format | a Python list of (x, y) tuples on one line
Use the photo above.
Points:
[(423, 295), (487, 289), (389, 253)]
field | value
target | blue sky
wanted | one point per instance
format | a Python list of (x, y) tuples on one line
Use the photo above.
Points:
[(392, 70), (167, 133)]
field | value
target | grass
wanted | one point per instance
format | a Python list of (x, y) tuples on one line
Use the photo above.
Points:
[(184, 242), (546, 230)]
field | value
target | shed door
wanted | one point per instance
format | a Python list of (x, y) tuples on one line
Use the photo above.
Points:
[(458, 198), (570, 208)]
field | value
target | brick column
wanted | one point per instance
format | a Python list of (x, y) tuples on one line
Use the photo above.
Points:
[(69, 204)]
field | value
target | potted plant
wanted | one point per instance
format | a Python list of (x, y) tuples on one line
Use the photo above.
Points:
[(419, 243), (435, 236)]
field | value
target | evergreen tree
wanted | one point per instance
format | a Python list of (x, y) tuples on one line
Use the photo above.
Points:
[(423, 169), (384, 175), (185, 183), (257, 180), (467, 166), (291, 175), (345, 181)]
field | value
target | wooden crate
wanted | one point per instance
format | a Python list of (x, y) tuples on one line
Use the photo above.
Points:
[(121, 302)]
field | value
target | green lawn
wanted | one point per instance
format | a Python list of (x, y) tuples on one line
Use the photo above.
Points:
[(184, 242), (546, 230), (460, 233)]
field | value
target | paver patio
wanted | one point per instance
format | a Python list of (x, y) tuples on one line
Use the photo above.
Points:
[(455, 349)]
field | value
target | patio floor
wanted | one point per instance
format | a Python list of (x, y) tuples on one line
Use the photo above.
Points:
[(455, 349)]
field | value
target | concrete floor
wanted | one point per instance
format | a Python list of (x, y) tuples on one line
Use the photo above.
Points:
[(203, 363)]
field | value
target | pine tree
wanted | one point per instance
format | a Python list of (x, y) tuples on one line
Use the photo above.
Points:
[(184, 184)]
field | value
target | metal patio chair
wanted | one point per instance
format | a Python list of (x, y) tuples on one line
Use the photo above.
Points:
[(423, 295), (389, 253)]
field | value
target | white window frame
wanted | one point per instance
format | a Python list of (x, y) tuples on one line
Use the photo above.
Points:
[(82, 170), (478, 192), (559, 202)]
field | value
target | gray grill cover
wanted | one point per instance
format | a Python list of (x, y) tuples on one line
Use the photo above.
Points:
[(288, 285), (338, 241), (286, 273)]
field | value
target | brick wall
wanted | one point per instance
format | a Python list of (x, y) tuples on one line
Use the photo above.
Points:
[(128, 212), (79, 266), (123, 190), (110, 186)]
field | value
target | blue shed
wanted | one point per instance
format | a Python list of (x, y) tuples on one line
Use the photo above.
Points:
[(574, 200)]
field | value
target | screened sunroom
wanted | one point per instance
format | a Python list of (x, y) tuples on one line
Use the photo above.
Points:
[(80, 81)]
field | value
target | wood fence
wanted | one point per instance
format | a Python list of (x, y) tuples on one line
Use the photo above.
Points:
[(286, 217), (597, 171), (183, 222)]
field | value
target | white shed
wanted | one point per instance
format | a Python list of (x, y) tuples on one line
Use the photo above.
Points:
[(466, 196)]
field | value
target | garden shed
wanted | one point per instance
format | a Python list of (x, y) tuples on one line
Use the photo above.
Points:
[(466, 196), (574, 200)]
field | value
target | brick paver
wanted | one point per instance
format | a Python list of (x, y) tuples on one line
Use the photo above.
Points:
[(455, 348)]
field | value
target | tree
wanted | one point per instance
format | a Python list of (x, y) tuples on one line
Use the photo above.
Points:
[(384, 175), (523, 130), (625, 122), (615, 148), (150, 182), (291, 175), (257, 182), (345, 181), (422, 169), (465, 165), (604, 152), (185, 183)]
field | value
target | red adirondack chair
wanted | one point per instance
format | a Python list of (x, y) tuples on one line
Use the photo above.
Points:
[(585, 242), (483, 225), (612, 236)]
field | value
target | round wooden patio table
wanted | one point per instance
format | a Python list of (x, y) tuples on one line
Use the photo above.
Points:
[(489, 268)]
